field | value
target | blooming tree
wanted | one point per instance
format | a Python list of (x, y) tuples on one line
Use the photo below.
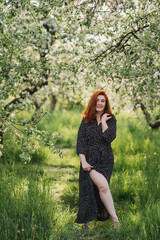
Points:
[(70, 48)]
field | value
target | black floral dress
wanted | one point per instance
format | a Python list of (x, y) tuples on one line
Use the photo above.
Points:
[(96, 146)]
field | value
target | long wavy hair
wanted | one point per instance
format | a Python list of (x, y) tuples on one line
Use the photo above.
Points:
[(90, 111)]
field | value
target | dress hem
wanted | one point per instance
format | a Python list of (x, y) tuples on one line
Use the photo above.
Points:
[(95, 218), (86, 221)]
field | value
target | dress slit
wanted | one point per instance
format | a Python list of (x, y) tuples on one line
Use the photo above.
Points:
[(103, 213)]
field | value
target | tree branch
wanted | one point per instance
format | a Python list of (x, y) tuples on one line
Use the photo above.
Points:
[(122, 39), (117, 46), (22, 95), (96, 4), (155, 124)]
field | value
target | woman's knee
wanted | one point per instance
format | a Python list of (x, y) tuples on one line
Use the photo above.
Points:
[(99, 180), (103, 188)]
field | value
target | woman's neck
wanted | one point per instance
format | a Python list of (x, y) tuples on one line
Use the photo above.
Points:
[(98, 115)]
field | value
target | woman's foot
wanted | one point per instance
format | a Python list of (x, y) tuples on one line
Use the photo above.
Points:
[(116, 223), (85, 225)]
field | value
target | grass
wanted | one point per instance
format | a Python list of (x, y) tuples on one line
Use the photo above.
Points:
[(40, 200), (25, 204)]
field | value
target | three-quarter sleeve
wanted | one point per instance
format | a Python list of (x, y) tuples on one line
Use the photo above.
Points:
[(110, 133), (81, 146)]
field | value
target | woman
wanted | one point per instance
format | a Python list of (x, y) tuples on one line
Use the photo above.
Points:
[(96, 132)]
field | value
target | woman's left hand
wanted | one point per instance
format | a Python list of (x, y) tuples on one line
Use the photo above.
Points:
[(106, 117)]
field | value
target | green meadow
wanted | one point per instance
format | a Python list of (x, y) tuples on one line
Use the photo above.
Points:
[(39, 200)]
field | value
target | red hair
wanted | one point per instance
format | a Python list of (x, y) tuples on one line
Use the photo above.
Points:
[(90, 111)]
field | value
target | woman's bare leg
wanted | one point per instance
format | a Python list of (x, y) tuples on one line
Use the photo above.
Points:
[(104, 192)]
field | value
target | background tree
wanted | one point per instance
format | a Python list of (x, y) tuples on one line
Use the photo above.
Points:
[(27, 34), (115, 46), (121, 49), (69, 49)]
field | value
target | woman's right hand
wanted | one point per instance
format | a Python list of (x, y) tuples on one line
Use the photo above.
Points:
[(106, 117), (86, 166)]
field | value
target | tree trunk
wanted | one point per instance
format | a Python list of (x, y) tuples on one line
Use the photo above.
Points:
[(155, 124), (1, 137), (53, 102)]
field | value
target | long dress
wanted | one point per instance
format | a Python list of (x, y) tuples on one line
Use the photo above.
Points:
[(96, 146)]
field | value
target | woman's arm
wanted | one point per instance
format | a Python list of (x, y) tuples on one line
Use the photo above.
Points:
[(109, 129), (82, 139), (82, 146), (104, 125), (105, 118)]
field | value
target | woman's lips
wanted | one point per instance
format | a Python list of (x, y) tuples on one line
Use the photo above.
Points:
[(99, 107)]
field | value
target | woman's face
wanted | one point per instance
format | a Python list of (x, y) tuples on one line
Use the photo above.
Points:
[(101, 102)]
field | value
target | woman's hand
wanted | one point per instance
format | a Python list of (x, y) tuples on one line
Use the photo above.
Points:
[(106, 117), (86, 166)]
